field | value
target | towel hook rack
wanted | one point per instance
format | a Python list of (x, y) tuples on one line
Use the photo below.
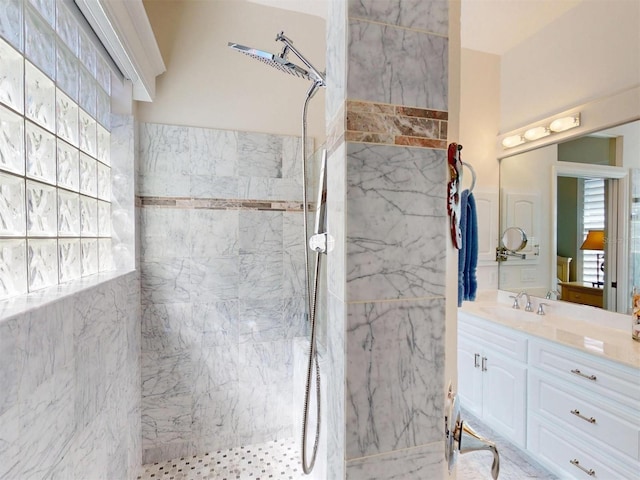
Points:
[(473, 175), (471, 169)]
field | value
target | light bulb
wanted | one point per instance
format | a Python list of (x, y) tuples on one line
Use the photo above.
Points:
[(565, 123), (512, 141), (536, 133)]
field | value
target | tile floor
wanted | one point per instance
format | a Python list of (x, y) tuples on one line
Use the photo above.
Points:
[(280, 460), (271, 460)]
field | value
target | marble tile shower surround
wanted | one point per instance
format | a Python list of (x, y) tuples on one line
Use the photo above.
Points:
[(387, 136), (429, 16), (396, 222), (189, 162), (390, 63), (393, 356), (222, 275), (70, 385), (123, 189)]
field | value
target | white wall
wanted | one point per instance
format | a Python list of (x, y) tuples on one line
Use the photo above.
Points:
[(588, 53), (209, 85), (479, 124), (630, 142), (480, 120)]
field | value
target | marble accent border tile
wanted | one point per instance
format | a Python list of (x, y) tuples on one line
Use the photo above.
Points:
[(381, 123), (219, 204)]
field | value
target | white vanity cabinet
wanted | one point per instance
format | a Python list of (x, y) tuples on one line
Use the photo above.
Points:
[(492, 375), (577, 413), (583, 417)]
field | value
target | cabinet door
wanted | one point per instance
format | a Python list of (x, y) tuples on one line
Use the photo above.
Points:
[(504, 397), (470, 375)]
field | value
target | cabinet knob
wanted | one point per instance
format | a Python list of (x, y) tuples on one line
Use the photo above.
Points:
[(476, 357), (484, 364)]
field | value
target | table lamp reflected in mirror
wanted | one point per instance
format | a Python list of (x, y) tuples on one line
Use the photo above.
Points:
[(595, 241)]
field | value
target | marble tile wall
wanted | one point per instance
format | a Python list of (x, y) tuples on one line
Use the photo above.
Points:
[(70, 386), (123, 179), (387, 275), (408, 40), (222, 273), (334, 417)]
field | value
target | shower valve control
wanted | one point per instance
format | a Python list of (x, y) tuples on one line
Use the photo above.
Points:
[(321, 242)]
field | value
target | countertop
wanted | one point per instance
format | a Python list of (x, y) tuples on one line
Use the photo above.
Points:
[(602, 334)]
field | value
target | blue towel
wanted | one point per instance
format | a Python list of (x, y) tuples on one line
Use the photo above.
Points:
[(468, 253)]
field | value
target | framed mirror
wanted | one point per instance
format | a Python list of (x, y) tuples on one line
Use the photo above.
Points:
[(560, 192)]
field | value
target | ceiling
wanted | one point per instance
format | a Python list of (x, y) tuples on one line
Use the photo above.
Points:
[(492, 26)]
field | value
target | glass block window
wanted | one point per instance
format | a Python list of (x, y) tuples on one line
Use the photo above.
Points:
[(55, 169)]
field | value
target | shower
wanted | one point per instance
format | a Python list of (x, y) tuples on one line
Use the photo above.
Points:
[(318, 241)]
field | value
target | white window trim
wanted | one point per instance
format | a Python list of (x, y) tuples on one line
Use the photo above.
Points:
[(622, 216), (125, 31)]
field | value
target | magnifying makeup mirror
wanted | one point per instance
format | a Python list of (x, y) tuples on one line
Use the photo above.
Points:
[(514, 239)]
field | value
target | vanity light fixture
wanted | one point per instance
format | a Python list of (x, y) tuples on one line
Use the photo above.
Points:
[(556, 126), (513, 141)]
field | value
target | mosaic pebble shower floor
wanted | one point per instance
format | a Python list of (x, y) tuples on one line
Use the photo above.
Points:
[(271, 460), (281, 460)]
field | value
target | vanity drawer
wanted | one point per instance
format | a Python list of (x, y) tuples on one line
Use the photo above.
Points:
[(505, 341), (563, 403), (570, 458), (609, 379)]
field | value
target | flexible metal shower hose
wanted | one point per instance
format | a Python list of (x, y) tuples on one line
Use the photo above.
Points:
[(307, 467)]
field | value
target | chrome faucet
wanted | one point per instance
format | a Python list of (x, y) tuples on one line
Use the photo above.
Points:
[(515, 305), (528, 307), (541, 308), (552, 292)]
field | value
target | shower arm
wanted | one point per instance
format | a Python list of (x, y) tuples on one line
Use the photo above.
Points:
[(320, 77)]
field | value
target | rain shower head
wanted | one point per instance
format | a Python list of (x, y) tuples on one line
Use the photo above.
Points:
[(281, 63), (273, 60)]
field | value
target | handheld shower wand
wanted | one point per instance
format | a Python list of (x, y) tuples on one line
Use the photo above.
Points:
[(318, 79)]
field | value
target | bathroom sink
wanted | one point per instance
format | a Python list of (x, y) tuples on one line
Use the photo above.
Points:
[(505, 313)]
